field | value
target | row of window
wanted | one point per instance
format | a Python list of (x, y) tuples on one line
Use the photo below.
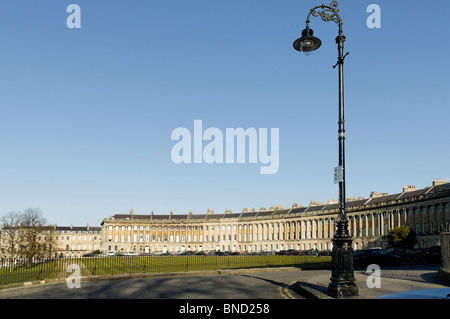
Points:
[(81, 247), (178, 228), (154, 227), (75, 238), (78, 231), (212, 238)]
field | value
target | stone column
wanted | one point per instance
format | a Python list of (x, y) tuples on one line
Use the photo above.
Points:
[(368, 226), (373, 225), (444, 271), (412, 219), (360, 226)]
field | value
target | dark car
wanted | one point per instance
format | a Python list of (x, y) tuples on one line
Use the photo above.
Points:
[(325, 253), (396, 251), (433, 254), (365, 257)]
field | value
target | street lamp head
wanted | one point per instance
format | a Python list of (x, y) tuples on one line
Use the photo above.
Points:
[(307, 43)]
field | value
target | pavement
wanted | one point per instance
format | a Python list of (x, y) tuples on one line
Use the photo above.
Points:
[(240, 292), (406, 282), (414, 282)]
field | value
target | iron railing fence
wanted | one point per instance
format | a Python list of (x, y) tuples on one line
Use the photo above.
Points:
[(25, 270)]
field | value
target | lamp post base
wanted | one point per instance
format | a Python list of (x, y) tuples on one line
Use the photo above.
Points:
[(342, 280), (342, 290)]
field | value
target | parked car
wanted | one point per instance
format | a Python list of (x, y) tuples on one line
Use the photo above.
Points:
[(380, 257), (131, 253), (312, 253), (325, 253), (89, 255), (396, 251), (433, 254)]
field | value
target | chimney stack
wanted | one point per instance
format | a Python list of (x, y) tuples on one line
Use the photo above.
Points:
[(408, 188)]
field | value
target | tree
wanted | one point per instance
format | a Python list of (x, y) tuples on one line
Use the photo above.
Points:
[(31, 227), (11, 234), (401, 237)]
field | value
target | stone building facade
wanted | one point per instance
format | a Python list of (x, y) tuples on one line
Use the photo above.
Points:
[(426, 211), (75, 241), (65, 241)]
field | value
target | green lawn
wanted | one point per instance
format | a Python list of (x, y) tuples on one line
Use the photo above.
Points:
[(101, 266)]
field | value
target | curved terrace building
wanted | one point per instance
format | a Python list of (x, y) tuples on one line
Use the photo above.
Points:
[(426, 211)]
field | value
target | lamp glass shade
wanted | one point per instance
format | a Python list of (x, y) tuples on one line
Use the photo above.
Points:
[(307, 43), (307, 46)]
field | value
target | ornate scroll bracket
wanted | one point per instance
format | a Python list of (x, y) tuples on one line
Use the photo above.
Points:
[(328, 13)]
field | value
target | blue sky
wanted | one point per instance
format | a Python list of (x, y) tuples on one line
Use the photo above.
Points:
[(87, 114)]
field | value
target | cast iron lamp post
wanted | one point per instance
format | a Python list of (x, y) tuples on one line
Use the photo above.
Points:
[(342, 279)]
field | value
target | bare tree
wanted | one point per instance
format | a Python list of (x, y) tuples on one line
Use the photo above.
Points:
[(11, 234), (32, 245)]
